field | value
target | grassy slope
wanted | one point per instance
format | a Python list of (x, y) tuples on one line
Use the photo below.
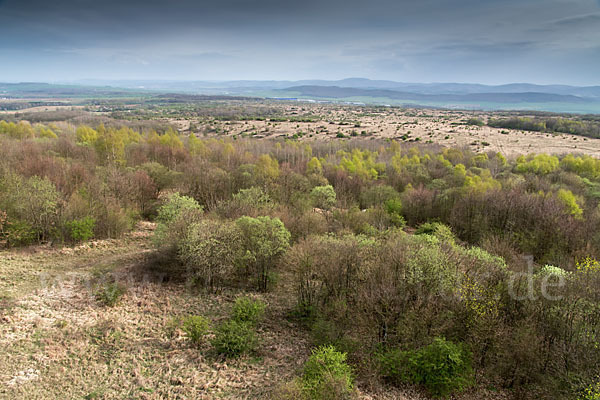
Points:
[(59, 342)]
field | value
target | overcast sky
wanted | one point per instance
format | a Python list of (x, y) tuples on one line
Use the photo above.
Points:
[(484, 41)]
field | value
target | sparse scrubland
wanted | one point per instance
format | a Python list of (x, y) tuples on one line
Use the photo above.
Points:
[(293, 269)]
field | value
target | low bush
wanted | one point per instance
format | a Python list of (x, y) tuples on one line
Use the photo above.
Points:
[(196, 328), (234, 338), (246, 310), (81, 229), (327, 375), (442, 367), (110, 294)]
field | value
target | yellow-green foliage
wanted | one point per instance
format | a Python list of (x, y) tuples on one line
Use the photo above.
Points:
[(327, 375), (44, 132), (22, 130), (480, 160), (196, 146), (585, 166), (440, 158), (480, 301), (501, 158), (588, 265), (170, 139), (592, 392), (314, 166), (481, 183), (401, 162), (86, 135), (267, 167), (361, 163), (569, 200), (540, 164), (473, 182), (453, 155), (109, 143)]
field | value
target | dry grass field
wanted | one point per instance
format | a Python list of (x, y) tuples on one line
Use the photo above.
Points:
[(444, 127)]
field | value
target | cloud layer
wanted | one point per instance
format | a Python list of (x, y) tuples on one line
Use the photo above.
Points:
[(487, 41)]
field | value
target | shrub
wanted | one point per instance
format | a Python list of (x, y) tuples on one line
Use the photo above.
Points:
[(234, 338), (394, 208), (551, 270), (209, 251), (34, 203), (569, 200), (291, 390), (81, 229), (113, 220), (196, 328), (442, 367), (329, 331), (253, 197), (327, 375), (475, 121), (323, 197), (19, 233), (438, 230), (110, 294), (246, 310)]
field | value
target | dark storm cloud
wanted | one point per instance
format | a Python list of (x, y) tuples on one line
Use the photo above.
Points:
[(428, 40)]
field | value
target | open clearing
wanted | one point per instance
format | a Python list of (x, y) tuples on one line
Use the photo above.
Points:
[(426, 126)]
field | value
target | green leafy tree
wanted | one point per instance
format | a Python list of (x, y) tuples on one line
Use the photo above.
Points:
[(175, 208), (323, 197), (267, 168), (196, 146), (209, 250), (378, 195), (264, 240)]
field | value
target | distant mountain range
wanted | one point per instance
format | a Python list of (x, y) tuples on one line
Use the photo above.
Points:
[(358, 83), (495, 97), (514, 96)]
